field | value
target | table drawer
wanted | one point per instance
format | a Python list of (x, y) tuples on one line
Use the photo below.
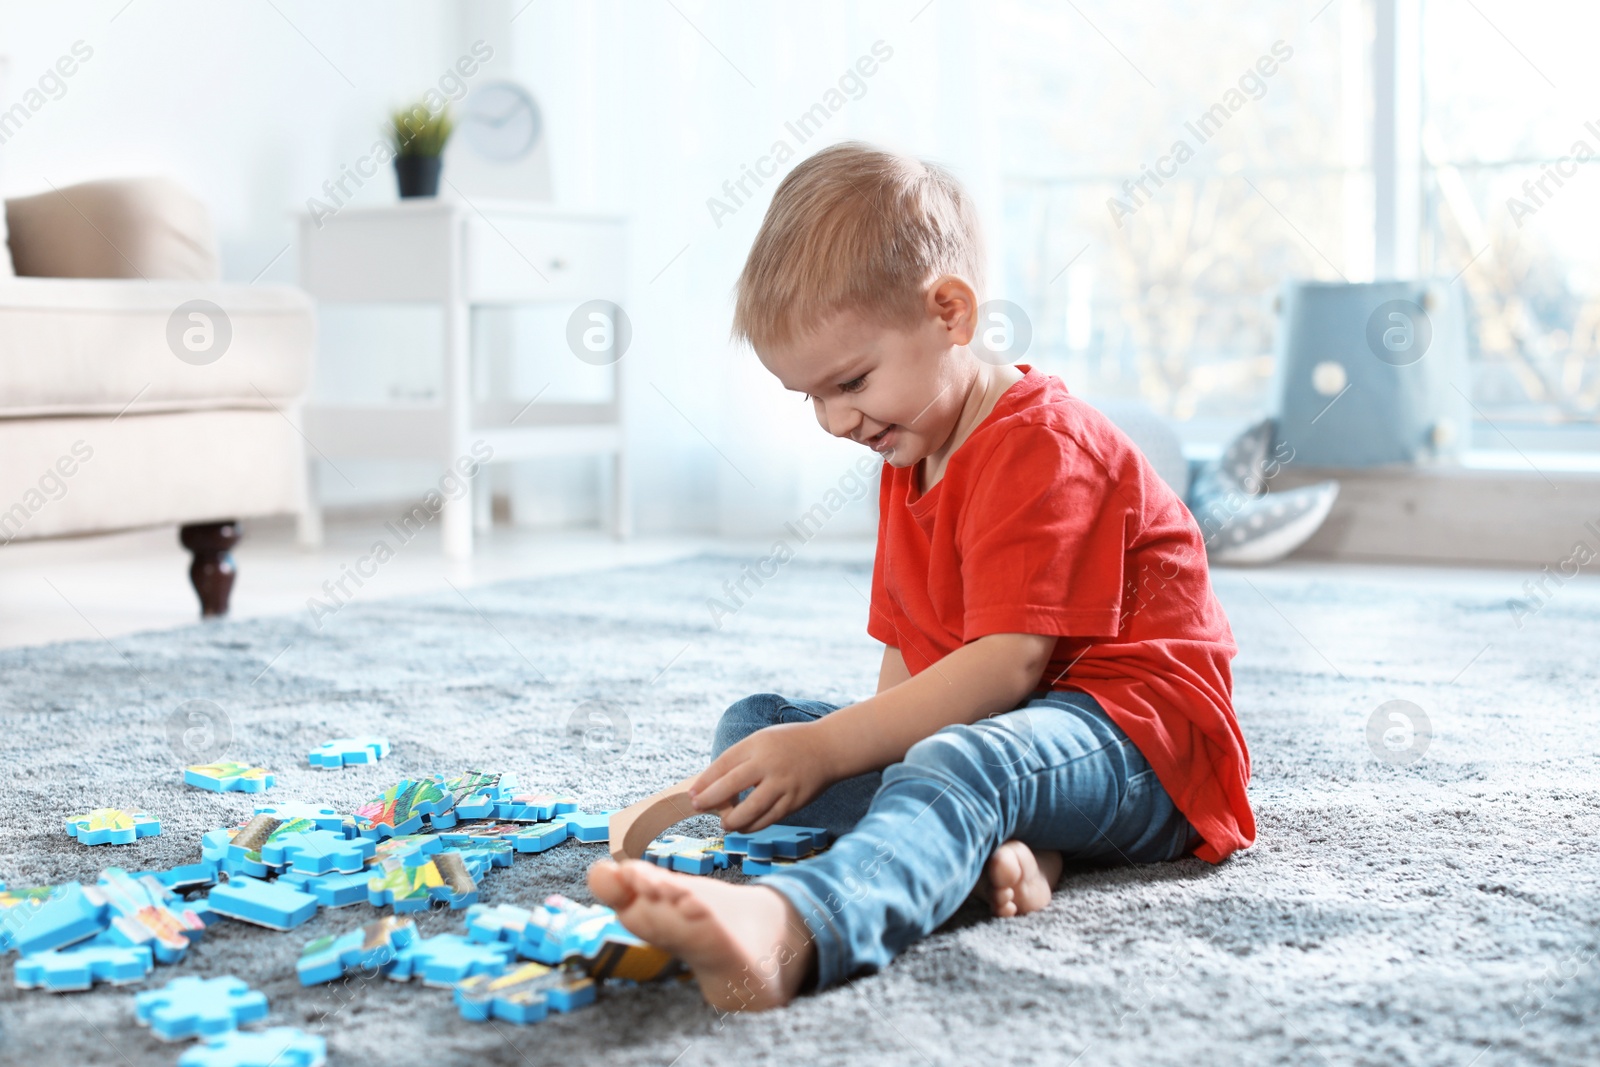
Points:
[(507, 257)]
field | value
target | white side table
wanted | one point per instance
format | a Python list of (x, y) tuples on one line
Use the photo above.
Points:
[(460, 255)]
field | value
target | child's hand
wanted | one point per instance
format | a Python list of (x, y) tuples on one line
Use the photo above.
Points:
[(785, 767)]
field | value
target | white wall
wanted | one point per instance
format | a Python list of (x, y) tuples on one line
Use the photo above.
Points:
[(649, 108)]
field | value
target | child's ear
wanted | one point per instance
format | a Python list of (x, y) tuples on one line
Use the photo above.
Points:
[(952, 300)]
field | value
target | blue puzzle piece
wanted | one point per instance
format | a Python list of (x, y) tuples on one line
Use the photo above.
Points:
[(319, 852), (450, 958), (112, 826), (560, 929), (280, 1046), (483, 855), (186, 878), (590, 827), (190, 1006), (524, 994), (70, 915), (533, 807), (349, 751), (270, 904), (373, 946), (496, 922), (539, 836), (17, 907), (145, 913), (227, 777), (475, 795), (331, 890), (81, 966), (776, 842), (322, 818), (689, 855)]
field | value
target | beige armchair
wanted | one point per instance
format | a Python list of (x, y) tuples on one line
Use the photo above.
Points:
[(136, 388)]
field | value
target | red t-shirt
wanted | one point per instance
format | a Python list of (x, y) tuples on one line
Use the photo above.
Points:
[(1048, 520)]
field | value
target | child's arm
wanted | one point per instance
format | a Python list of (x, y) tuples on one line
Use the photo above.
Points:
[(786, 766), (893, 671)]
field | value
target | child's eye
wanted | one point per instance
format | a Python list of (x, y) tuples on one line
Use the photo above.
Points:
[(854, 385)]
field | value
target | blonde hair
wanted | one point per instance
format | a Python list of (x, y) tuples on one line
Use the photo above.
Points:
[(854, 228)]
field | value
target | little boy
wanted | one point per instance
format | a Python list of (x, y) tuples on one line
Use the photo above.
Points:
[(1055, 685)]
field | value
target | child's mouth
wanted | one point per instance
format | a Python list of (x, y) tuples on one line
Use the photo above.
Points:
[(879, 442)]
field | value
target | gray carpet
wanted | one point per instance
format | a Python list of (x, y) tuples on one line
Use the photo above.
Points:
[(1437, 912)]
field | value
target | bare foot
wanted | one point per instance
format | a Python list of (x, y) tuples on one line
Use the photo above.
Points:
[(1018, 880), (748, 947)]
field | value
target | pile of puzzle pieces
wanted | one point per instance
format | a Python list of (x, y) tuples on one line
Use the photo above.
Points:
[(765, 851)]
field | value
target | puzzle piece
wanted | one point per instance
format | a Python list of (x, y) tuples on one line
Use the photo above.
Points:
[(776, 842), (146, 914), (190, 1006), (488, 853), (524, 994), (331, 890), (112, 826), (69, 915), (474, 795), (757, 868), (186, 878), (229, 777), (349, 751), (79, 967), (533, 807), (280, 1046), (561, 930), (400, 808), (275, 905), (323, 818), (539, 836), (690, 855), (496, 922), (17, 907), (406, 846), (372, 946), (318, 852), (450, 958), (590, 827), (409, 886)]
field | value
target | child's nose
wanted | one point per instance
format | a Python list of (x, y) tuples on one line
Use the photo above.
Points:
[(839, 418)]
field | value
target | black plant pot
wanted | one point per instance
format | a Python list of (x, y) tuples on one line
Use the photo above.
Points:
[(418, 175)]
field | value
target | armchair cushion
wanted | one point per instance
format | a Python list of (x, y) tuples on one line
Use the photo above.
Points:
[(145, 228)]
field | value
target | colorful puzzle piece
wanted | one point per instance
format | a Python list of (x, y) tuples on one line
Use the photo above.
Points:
[(488, 853), (146, 914), (406, 846), (275, 905), (524, 994), (331, 890), (280, 1046), (323, 818), (401, 808), (229, 777), (690, 855), (533, 807), (410, 886), (473, 795), (112, 826), (69, 915), (79, 967), (349, 751), (450, 958), (561, 930), (373, 946), (16, 910), (318, 852), (776, 842), (757, 868), (190, 1006)]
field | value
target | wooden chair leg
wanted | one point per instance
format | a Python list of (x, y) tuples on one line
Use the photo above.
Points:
[(212, 571)]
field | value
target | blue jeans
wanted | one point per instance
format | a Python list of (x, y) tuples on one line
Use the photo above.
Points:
[(1056, 773)]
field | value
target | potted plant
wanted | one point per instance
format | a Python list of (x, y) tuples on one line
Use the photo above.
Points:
[(418, 137)]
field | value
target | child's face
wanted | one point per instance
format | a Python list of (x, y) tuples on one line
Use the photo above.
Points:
[(898, 391)]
